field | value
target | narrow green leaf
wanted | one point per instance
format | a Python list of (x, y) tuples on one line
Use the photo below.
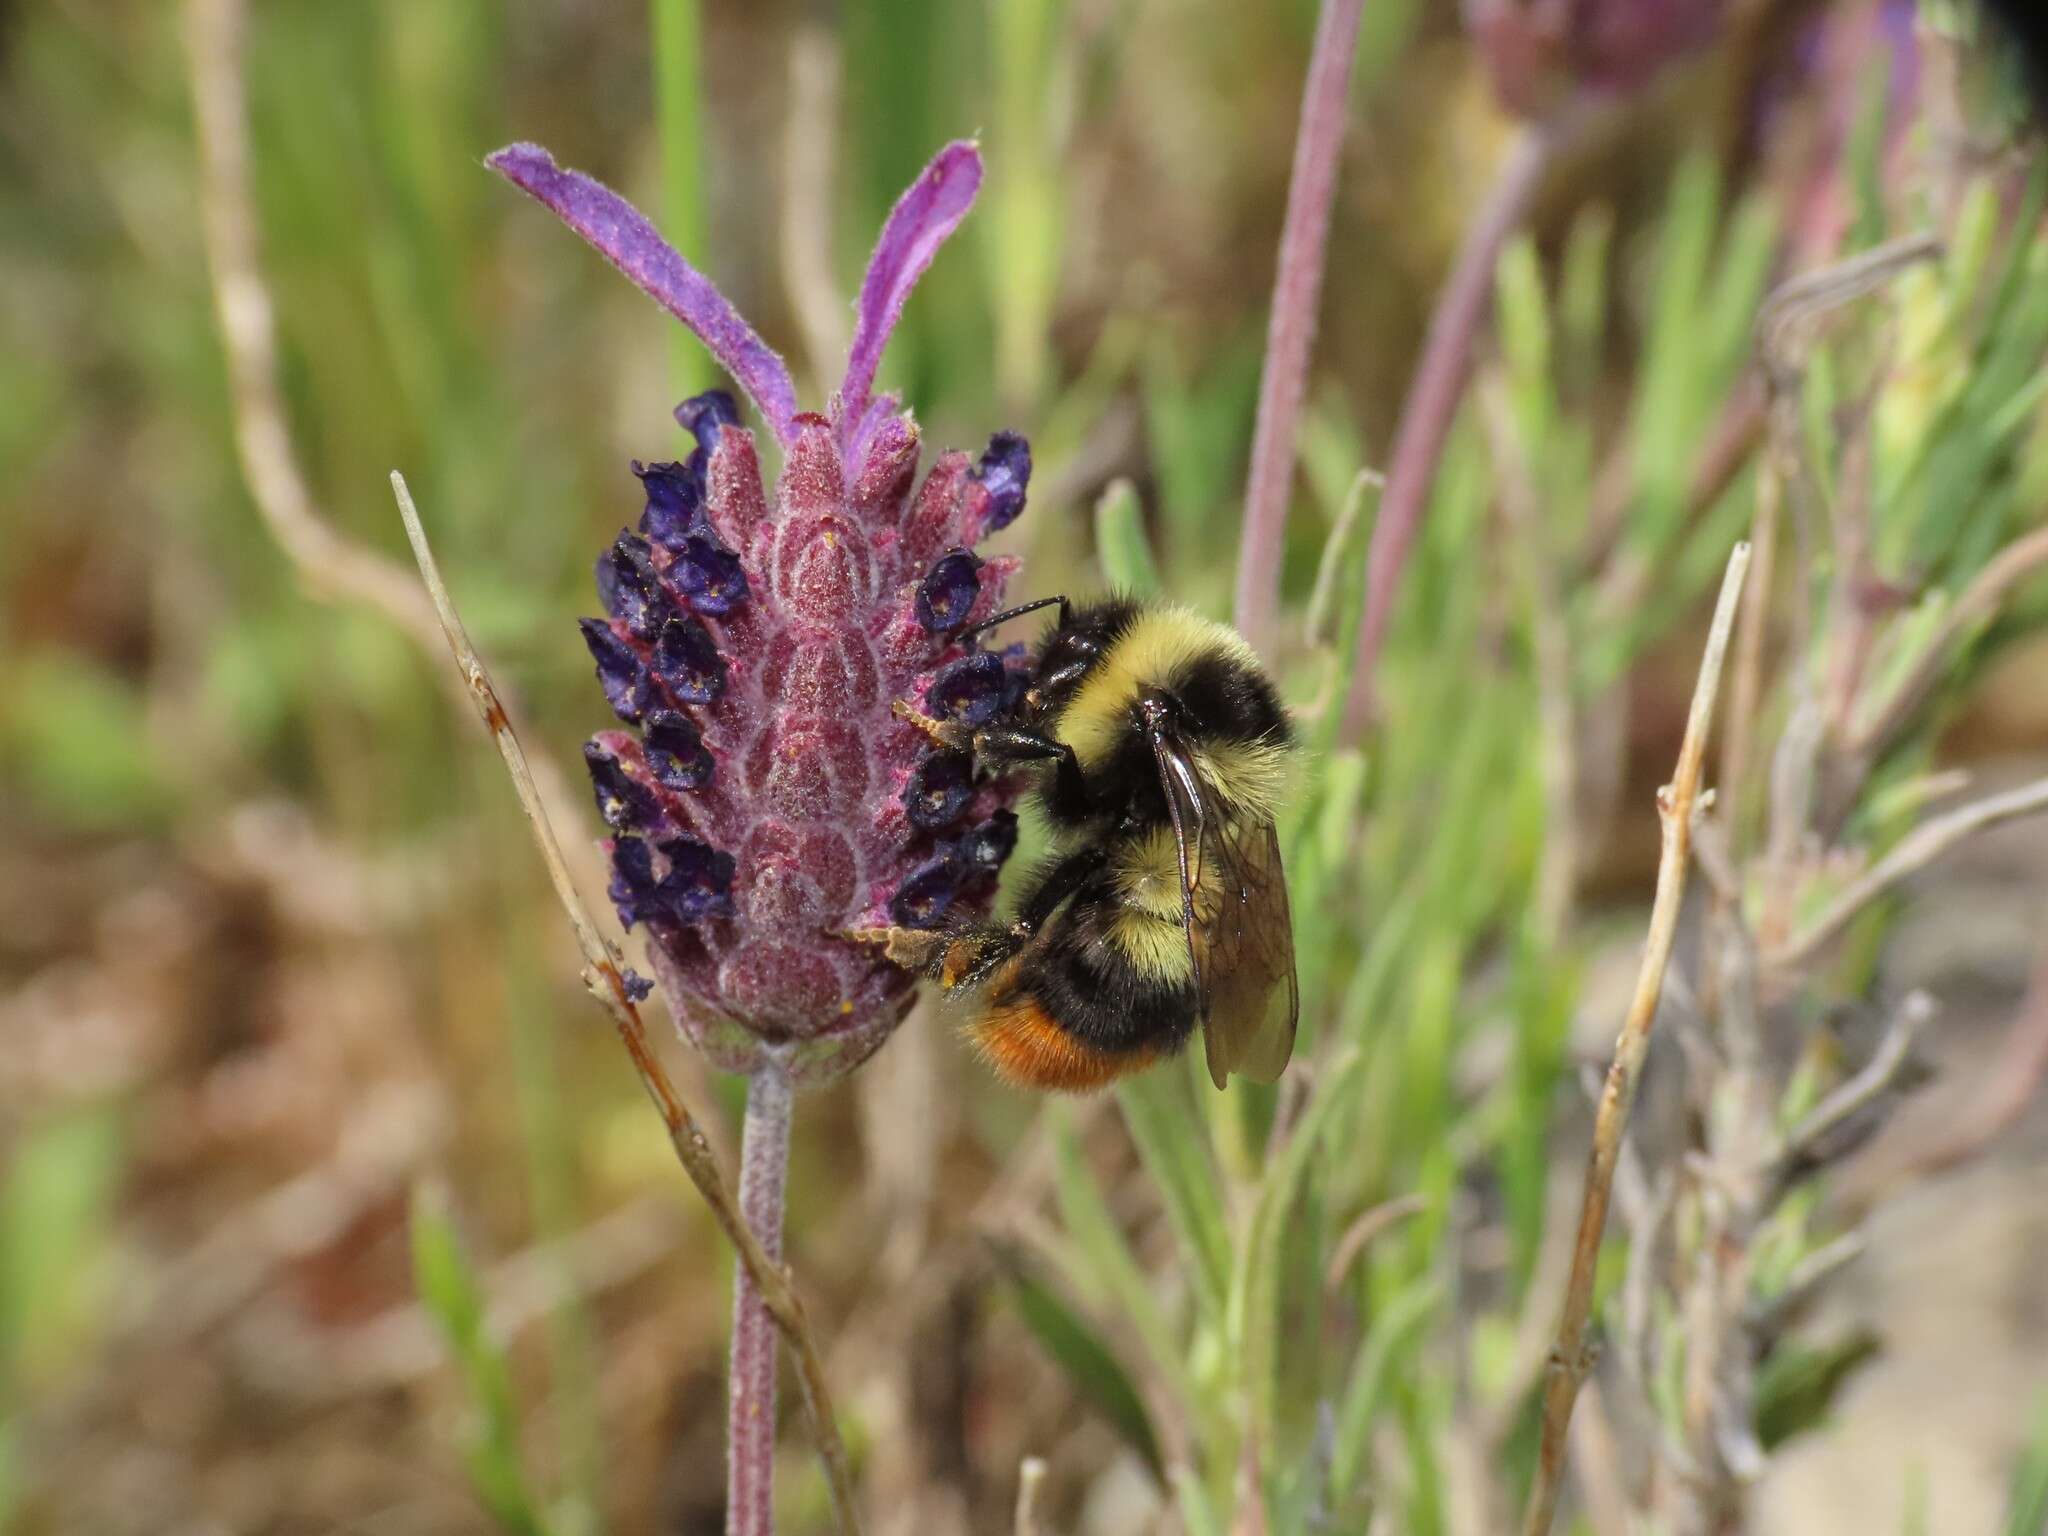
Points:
[(1121, 547), (1075, 1346), (1255, 1290), (453, 1295), (55, 1207), (677, 39), (1165, 1127), (1108, 1256), (1393, 1332), (2027, 1506)]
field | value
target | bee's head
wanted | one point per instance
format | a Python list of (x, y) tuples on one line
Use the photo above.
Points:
[(1069, 651)]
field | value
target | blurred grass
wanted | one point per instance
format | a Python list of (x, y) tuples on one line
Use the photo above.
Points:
[(164, 666)]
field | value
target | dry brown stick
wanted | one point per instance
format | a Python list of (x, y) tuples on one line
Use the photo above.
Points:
[(1030, 1478), (1805, 1146), (326, 560), (323, 558), (1570, 1359), (1915, 851), (607, 983), (1371, 1222)]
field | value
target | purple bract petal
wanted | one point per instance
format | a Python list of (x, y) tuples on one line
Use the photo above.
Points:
[(919, 224), (705, 416), (970, 691), (939, 790), (624, 804), (946, 595), (625, 680), (622, 234), (686, 659)]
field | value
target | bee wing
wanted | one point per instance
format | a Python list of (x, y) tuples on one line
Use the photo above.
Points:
[(1247, 952), (1240, 933)]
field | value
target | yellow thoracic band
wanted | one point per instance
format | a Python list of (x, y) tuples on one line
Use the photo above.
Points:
[(1160, 642)]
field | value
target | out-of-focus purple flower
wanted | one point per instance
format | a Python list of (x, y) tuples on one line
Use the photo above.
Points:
[(1539, 51), (771, 799)]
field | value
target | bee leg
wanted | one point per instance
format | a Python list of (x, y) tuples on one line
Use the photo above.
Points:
[(1004, 746), (943, 733), (953, 957), (1057, 884)]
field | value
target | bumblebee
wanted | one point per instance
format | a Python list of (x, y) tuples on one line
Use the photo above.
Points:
[(1160, 751)]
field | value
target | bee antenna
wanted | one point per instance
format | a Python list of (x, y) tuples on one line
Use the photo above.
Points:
[(1018, 612)]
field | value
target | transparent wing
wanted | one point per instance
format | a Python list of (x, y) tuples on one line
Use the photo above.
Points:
[(1240, 931)]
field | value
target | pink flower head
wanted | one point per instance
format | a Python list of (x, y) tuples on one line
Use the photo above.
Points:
[(768, 798)]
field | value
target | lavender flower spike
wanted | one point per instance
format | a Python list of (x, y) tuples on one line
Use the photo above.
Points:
[(759, 639), (922, 220), (623, 236)]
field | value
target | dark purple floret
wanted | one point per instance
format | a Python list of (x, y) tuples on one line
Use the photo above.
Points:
[(1004, 471), (939, 790), (629, 587), (709, 575), (946, 595), (675, 499), (638, 987), (675, 752), (699, 881), (705, 416), (970, 691), (624, 805), (625, 681), (687, 661), (921, 901), (634, 890), (982, 852)]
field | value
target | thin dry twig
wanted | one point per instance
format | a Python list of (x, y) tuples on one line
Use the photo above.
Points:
[(325, 560), (1918, 849), (1371, 1222), (1570, 1357), (1030, 1478), (603, 975), (330, 564), (1804, 1147)]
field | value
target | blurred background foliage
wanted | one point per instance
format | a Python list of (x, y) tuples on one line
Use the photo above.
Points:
[(275, 950)]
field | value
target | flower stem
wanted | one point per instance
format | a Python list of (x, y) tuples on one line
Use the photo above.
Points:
[(1291, 327), (750, 1421), (1438, 386)]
